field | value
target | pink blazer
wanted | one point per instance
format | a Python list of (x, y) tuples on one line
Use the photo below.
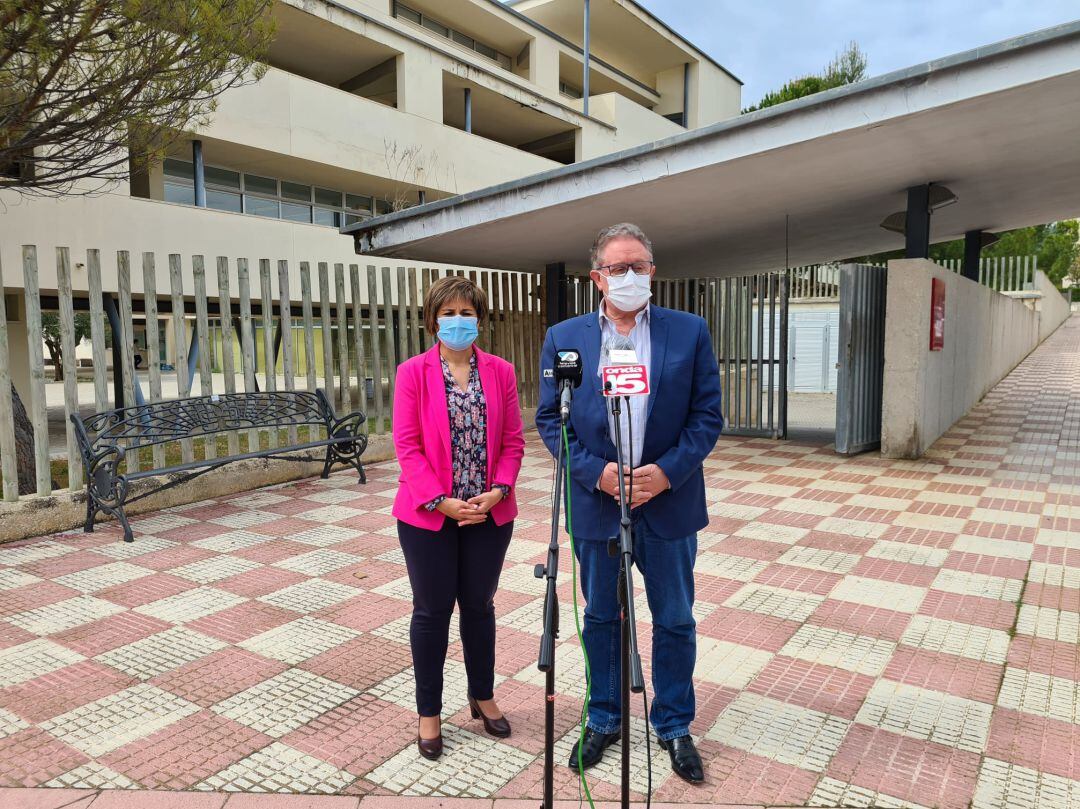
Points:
[(422, 436)]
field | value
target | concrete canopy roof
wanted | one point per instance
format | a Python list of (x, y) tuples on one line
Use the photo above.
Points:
[(999, 125)]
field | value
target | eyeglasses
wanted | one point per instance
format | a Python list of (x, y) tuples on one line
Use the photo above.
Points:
[(619, 270)]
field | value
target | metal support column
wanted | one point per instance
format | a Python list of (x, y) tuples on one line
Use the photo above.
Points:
[(555, 283), (468, 109), (585, 70), (917, 224), (972, 250), (200, 173), (686, 95)]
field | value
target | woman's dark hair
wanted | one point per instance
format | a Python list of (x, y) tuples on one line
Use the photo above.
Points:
[(448, 289)]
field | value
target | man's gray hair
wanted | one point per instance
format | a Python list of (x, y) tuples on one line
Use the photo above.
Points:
[(622, 230)]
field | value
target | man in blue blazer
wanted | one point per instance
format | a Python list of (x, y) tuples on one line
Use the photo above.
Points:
[(666, 437)]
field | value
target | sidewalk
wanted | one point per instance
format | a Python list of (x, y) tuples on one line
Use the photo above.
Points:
[(870, 633)]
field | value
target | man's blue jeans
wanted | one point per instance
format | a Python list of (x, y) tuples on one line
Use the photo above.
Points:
[(668, 568)]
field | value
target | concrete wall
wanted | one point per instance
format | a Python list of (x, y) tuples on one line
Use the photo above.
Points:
[(633, 125), (986, 335), (1053, 307)]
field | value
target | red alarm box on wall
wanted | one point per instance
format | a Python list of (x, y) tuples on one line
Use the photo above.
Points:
[(937, 314)]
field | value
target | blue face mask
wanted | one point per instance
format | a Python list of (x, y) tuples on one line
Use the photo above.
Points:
[(458, 332)]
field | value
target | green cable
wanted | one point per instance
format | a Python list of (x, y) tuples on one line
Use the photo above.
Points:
[(577, 623)]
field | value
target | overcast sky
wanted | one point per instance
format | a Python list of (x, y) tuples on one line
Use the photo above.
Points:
[(768, 42)]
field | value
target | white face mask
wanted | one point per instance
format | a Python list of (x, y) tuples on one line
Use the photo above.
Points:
[(629, 292)]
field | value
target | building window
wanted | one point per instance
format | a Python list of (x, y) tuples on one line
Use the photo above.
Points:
[(404, 12), (569, 90), (252, 194)]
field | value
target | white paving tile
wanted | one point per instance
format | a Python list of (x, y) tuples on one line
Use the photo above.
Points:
[(190, 605), (1042, 694), (956, 638), (728, 664), (878, 593), (1049, 623), (775, 601), (118, 719), (279, 768), (839, 649), (778, 730), (62, 615), (161, 652), (925, 714), (966, 583), (310, 595), (284, 702), (1010, 786), (36, 657), (299, 640)]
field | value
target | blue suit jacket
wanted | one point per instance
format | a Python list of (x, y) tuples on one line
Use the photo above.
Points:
[(684, 420)]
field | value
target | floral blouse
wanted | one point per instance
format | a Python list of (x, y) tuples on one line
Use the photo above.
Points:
[(468, 436)]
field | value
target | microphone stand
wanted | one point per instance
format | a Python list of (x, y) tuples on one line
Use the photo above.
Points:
[(632, 677), (546, 661)]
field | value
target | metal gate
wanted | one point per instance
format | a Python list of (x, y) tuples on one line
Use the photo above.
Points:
[(747, 317), (861, 358)]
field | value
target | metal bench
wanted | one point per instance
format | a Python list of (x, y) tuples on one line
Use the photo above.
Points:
[(106, 437)]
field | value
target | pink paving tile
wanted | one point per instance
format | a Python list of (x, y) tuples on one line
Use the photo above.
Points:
[(988, 612), (828, 541), (366, 611), (361, 662), (811, 685), (566, 784), (735, 777), (947, 510), (877, 515), (523, 706), (57, 566), (63, 690), (125, 799), (861, 619), (753, 499), (174, 557), (31, 757), (102, 636), (269, 552), (32, 596), (368, 522), (260, 581), (919, 536), (713, 589), (194, 531), (793, 519), (290, 507), (186, 752), (970, 490), (987, 565), (823, 496), (1051, 595), (998, 530), (241, 800), (910, 769), (219, 675), (901, 572), (950, 674), (802, 579), (1010, 504), (765, 632), (146, 589), (242, 621), (358, 735), (40, 798), (11, 635), (1044, 744), (711, 700), (287, 526), (1053, 657), (1070, 557), (759, 549), (515, 650)]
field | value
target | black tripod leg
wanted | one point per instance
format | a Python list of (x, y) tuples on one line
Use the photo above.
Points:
[(625, 681)]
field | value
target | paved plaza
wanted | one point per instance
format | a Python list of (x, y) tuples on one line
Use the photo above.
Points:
[(870, 633)]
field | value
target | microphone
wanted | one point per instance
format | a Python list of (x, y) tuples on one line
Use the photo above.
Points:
[(567, 377), (618, 350)]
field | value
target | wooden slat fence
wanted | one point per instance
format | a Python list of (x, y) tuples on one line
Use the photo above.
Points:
[(346, 333)]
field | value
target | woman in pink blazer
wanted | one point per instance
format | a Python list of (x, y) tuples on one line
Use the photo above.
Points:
[(458, 436)]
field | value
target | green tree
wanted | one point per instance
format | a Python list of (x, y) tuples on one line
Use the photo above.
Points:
[(50, 333), (95, 89), (847, 67), (1054, 245)]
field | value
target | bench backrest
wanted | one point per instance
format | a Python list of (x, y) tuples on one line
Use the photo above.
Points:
[(176, 419)]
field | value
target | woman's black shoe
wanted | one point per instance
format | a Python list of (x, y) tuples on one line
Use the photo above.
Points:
[(499, 728), (593, 749), (430, 749)]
